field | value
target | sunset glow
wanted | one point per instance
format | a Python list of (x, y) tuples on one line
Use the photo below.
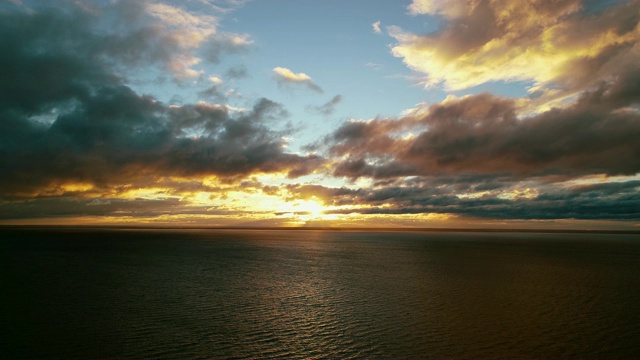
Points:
[(366, 113)]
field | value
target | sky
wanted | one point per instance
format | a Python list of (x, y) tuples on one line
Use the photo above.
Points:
[(358, 113)]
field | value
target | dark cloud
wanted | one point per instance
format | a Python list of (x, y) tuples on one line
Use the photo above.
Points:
[(116, 136), (477, 157), (598, 201), (68, 116), (482, 134), (61, 207), (327, 108), (213, 92)]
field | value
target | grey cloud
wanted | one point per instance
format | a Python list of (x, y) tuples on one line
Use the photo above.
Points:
[(475, 157), (237, 72), (61, 207), (467, 33), (481, 134), (327, 108), (117, 135), (500, 198), (213, 92), (223, 45), (619, 201), (98, 202), (67, 115)]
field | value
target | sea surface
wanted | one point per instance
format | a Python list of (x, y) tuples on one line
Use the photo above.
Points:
[(140, 293)]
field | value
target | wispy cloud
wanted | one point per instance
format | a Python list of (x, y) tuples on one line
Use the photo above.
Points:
[(376, 27), (374, 66), (194, 37), (237, 72), (327, 108)]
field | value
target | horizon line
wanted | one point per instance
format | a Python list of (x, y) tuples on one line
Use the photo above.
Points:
[(320, 228)]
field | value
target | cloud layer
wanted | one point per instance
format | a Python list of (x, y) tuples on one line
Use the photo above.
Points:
[(482, 134), (617, 201), (78, 137), (68, 115), (547, 156)]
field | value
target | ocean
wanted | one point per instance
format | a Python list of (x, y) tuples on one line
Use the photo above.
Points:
[(212, 293)]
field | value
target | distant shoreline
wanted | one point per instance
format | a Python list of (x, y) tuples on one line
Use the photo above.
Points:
[(315, 228)]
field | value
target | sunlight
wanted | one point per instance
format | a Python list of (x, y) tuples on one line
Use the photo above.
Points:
[(312, 209), (230, 126)]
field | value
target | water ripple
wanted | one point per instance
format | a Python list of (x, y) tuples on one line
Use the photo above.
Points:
[(278, 294)]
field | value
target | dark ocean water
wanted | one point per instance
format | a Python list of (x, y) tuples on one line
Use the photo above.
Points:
[(96, 293)]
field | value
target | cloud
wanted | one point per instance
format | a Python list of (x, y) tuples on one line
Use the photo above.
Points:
[(561, 47), (556, 204), (216, 80), (376, 27), (63, 207), (236, 72), (327, 108), (615, 201), (213, 93), (195, 36), (132, 33), (226, 44), (477, 197), (483, 134), (285, 76), (69, 121), (374, 66), (485, 156), (98, 202), (117, 136), (194, 27), (76, 139)]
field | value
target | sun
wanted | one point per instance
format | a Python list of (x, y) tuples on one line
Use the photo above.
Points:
[(293, 211), (309, 208)]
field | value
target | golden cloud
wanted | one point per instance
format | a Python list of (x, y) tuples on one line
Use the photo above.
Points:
[(551, 44)]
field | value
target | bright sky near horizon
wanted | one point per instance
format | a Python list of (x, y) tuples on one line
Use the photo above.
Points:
[(423, 113)]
